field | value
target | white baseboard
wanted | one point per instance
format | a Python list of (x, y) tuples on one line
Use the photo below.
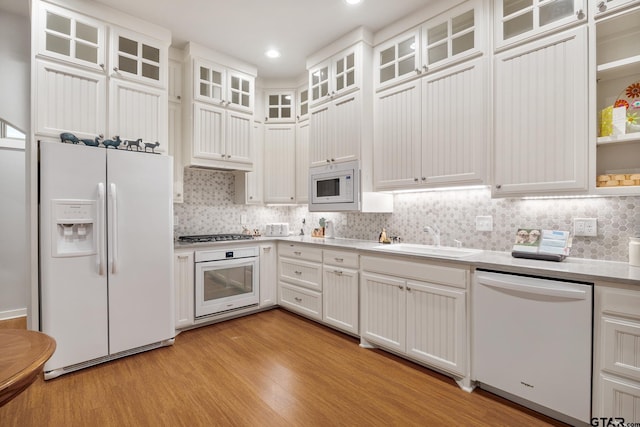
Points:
[(12, 314)]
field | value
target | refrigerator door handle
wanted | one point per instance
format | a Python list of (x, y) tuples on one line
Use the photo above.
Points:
[(100, 244), (113, 225)]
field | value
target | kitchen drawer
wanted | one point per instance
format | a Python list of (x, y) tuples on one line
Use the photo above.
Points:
[(620, 347), (619, 302), (301, 300), (298, 251), (423, 271), (341, 258), (302, 273)]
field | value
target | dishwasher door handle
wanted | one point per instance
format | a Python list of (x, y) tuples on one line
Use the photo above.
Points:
[(577, 294)]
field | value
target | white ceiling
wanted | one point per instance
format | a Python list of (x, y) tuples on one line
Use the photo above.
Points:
[(245, 29)]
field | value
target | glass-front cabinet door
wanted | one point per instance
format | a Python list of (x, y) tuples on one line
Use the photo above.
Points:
[(303, 103), (344, 72), (209, 79), (137, 58), (516, 20), (240, 91), (71, 37), (452, 36), (397, 59), (280, 106), (319, 82)]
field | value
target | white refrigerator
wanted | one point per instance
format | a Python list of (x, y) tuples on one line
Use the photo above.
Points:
[(106, 253)]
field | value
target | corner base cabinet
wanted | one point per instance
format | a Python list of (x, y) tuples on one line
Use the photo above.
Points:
[(417, 310)]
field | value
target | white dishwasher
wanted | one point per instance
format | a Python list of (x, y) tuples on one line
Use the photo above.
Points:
[(532, 342)]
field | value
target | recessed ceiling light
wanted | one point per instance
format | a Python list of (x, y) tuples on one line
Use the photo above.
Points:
[(353, 1), (272, 53)]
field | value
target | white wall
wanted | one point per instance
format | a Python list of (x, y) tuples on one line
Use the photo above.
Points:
[(14, 109), (15, 70)]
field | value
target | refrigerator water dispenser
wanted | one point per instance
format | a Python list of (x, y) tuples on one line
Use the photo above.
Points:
[(74, 227)]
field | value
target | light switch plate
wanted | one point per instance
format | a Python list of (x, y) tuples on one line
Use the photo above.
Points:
[(484, 223)]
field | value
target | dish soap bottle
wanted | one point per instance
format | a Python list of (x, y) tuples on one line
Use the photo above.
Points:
[(383, 237)]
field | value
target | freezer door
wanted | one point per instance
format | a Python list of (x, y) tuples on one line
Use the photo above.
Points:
[(73, 289), (140, 240)]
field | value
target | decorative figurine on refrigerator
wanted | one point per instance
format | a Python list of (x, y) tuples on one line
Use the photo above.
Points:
[(115, 142), (130, 144)]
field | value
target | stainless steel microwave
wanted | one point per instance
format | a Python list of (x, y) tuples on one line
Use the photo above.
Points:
[(334, 187)]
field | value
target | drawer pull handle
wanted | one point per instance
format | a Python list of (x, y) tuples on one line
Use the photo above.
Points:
[(339, 259), (337, 272), (299, 273), (298, 253), (298, 299)]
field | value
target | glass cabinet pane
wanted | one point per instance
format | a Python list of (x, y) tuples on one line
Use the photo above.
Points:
[(388, 55), (245, 100), (462, 22), (87, 53), (151, 53), (437, 53), (512, 6), (86, 33), (150, 71), (437, 33), (274, 113), (518, 25), (554, 11), (129, 46), (462, 43), (387, 73), (127, 64), (407, 47), (286, 100), (406, 66), (58, 23), (58, 44)]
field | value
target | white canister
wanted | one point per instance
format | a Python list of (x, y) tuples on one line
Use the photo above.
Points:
[(634, 251)]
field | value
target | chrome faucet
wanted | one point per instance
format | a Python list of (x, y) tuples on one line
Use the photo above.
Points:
[(434, 232)]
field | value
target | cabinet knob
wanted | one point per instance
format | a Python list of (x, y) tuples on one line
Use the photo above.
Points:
[(333, 160), (228, 156), (178, 97), (115, 69), (580, 14), (101, 66), (250, 197), (425, 68), (401, 287), (498, 186), (418, 71), (328, 161), (291, 198), (424, 178), (266, 119), (297, 299), (415, 179), (222, 155)]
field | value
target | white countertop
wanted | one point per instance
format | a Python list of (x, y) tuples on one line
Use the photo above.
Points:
[(578, 269)]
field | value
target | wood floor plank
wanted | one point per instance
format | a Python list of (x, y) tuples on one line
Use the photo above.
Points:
[(269, 369)]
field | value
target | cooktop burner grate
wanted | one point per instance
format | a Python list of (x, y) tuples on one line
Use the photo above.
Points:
[(214, 238)]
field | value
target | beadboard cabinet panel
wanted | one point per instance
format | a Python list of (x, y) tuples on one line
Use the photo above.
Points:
[(454, 125), (209, 129), (139, 111), (69, 100), (540, 119), (279, 158), (383, 315), (398, 151)]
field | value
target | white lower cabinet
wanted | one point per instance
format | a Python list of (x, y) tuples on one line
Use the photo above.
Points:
[(268, 275), (340, 290), (300, 279), (183, 279), (426, 319), (616, 388)]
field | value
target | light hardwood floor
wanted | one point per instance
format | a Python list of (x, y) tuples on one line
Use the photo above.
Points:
[(269, 369)]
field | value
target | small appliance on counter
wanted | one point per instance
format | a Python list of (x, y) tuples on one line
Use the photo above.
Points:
[(277, 229), (329, 229)]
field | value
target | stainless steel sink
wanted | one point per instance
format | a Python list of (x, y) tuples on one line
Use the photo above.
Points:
[(439, 251)]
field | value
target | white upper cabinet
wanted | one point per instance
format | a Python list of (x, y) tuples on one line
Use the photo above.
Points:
[(216, 84), (453, 36), (280, 106), (541, 116), (336, 76), (433, 131), (71, 37), (601, 8), (279, 163), (122, 94), (518, 20), (302, 162), (136, 57), (302, 104), (335, 131)]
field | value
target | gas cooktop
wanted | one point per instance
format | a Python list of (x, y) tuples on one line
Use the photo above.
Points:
[(214, 238)]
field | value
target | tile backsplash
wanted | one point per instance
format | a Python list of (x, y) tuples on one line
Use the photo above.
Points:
[(209, 208)]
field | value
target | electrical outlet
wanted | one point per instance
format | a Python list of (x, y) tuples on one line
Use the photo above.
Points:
[(243, 219), (585, 227), (484, 223)]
